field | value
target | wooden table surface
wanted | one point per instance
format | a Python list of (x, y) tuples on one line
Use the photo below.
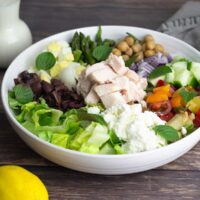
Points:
[(177, 180)]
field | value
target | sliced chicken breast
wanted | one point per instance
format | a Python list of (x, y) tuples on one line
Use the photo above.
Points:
[(95, 67), (112, 99), (122, 81), (133, 76), (92, 97), (117, 64), (105, 89), (102, 76)]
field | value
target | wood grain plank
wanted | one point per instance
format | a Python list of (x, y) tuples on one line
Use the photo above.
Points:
[(160, 185), (107, 3), (38, 14)]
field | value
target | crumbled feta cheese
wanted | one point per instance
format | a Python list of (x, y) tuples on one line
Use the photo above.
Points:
[(183, 130), (135, 127)]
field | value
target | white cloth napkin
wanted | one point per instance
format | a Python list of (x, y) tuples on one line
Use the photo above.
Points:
[(185, 24)]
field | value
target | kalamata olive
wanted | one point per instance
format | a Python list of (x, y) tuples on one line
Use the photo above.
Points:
[(159, 48), (129, 52), (47, 87), (150, 45), (149, 53), (125, 57), (56, 82), (136, 47), (36, 88), (148, 38), (116, 52), (123, 46), (144, 46), (129, 40)]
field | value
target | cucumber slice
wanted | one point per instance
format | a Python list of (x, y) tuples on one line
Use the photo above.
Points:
[(155, 80), (169, 78), (179, 66), (182, 76), (195, 69)]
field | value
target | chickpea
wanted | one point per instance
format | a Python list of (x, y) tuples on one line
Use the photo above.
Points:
[(129, 40), (143, 46), (136, 47), (129, 52), (148, 38), (125, 57), (116, 52), (150, 45), (159, 48), (123, 46), (149, 53), (139, 56)]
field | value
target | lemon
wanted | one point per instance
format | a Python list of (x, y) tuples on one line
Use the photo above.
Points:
[(16, 183)]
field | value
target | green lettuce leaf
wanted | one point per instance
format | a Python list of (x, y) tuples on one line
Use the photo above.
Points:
[(59, 139)]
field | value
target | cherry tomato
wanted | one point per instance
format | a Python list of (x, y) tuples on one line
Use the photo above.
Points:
[(161, 108), (198, 113), (196, 122), (160, 83), (167, 117)]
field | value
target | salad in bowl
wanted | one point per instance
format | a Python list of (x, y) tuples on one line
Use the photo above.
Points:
[(107, 95)]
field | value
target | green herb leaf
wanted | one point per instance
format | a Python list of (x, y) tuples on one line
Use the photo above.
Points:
[(108, 42), (13, 103), (99, 36), (45, 61), (160, 71), (23, 94), (114, 139), (83, 115), (187, 95), (130, 61), (101, 52), (167, 132)]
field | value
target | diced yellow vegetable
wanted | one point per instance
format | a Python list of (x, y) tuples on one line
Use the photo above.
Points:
[(58, 67), (79, 69), (44, 76), (55, 48), (194, 104)]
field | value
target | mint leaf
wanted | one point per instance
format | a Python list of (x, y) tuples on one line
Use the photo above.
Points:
[(23, 94), (101, 52), (167, 132), (109, 42), (45, 61), (130, 61), (83, 115), (114, 139), (187, 95), (160, 71)]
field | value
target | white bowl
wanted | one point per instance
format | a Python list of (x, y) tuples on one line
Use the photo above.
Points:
[(99, 164)]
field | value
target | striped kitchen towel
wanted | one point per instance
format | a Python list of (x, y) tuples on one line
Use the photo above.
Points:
[(185, 24)]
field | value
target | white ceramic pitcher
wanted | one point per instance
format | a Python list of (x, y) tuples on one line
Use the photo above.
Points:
[(15, 35)]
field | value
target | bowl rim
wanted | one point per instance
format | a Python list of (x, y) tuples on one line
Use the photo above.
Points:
[(14, 121)]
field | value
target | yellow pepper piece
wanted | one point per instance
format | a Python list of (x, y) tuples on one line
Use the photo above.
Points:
[(163, 89), (194, 104), (157, 97), (177, 101)]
